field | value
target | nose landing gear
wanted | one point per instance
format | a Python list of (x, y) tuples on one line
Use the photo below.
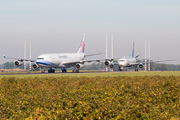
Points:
[(121, 68)]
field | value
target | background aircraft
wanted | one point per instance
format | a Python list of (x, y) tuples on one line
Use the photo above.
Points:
[(130, 61)]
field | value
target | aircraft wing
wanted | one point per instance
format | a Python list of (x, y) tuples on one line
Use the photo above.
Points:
[(86, 55), (150, 62), (19, 59), (83, 61)]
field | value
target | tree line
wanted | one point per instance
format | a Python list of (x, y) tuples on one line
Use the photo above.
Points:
[(102, 67)]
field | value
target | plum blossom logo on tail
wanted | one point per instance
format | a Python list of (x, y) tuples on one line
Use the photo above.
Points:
[(82, 46)]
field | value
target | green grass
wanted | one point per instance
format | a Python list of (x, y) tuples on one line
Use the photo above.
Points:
[(131, 74)]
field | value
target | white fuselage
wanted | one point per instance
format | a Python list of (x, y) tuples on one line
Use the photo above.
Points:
[(125, 62), (54, 60)]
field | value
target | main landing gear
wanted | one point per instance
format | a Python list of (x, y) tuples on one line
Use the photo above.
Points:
[(64, 70), (136, 69), (51, 70)]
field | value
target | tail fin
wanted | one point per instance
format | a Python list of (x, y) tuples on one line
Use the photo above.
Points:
[(4, 56), (82, 45), (133, 50)]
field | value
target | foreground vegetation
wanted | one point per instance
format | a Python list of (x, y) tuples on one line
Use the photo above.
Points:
[(143, 97), (95, 74)]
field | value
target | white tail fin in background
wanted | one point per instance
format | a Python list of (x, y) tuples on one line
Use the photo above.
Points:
[(133, 50), (82, 45)]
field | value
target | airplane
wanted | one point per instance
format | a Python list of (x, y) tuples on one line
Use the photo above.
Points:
[(60, 60), (131, 61)]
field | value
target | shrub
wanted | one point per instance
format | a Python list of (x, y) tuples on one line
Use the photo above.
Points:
[(155, 97)]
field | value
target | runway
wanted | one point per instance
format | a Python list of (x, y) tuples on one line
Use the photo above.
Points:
[(46, 73)]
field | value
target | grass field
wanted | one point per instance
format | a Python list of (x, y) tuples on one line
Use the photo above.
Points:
[(164, 73), (120, 97)]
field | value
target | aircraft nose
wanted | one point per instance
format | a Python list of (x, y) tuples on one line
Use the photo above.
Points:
[(122, 63)]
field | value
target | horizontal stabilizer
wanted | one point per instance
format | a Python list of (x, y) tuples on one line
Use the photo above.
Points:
[(137, 56)]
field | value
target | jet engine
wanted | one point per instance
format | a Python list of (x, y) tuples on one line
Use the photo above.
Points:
[(35, 66), (109, 63), (106, 63), (79, 66), (111, 66), (141, 65), (18, 63)]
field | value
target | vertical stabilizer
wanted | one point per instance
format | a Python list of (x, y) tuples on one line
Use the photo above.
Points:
[(82, 45), (133, 50)]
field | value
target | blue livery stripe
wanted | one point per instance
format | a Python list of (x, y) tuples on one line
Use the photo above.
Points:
[(42, 62)]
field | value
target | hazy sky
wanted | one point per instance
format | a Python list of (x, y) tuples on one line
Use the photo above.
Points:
[(58, 25)]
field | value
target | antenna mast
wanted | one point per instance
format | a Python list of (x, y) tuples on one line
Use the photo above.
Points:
[(30, 57), (25, 55), (145, 57), (106, 48), (149, 65)]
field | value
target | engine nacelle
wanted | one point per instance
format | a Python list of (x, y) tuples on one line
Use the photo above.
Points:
[(109, 63), (35, 66), (141, 65), (79, 66), (111, 66), (106, 63), (18, 63)]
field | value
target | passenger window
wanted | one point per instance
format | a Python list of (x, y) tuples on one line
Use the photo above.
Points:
[(40, 58), (121, 60)]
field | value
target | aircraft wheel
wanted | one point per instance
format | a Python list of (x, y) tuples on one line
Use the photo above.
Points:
[(119, 69), (63, 70), (136, 70), (51, 71)]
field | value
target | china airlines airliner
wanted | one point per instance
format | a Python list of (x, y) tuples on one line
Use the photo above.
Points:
[(59, 60)]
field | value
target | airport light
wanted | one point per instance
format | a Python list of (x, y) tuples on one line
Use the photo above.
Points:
[(112, 47), (106, 48), (5, 66), (25, 55), (149, 65), (106, 45), (145, 56), (30, 56)]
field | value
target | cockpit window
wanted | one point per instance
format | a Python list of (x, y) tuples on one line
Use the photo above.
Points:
[(40, 58), (121, 60)]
